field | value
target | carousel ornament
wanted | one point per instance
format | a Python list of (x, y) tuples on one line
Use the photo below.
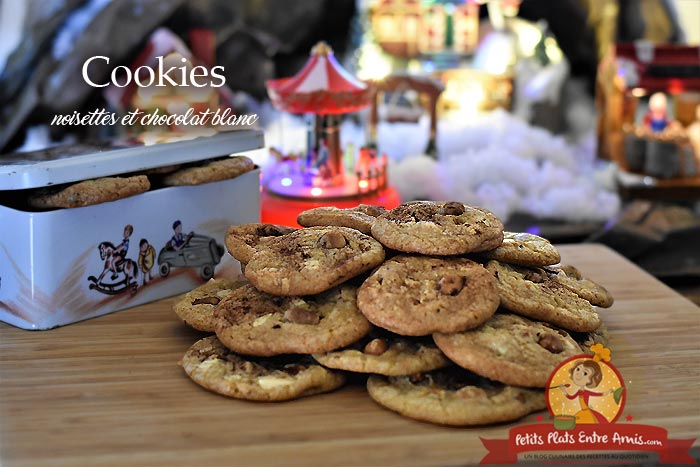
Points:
[(324, 89)]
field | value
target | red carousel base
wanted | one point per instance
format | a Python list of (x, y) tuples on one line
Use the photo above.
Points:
[(284, 211)]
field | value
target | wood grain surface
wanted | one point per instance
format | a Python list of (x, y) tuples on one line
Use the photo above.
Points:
[(109, 391)]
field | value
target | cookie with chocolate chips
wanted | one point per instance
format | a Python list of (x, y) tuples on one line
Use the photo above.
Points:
[(572, 279), (255, 323), (524, 249), (89, 192), (244, 240), (196, 308), (510, 349), (432, 228), (211, 365), (210, 171), (419, 295), (453, 396), (385, 353), (359, 218), (312, 260), (533, 293)]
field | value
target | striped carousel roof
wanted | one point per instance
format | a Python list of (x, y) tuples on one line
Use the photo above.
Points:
[(323, 86)]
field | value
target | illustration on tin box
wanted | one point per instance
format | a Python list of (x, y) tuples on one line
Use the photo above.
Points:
[(119, 272), (189, 251)]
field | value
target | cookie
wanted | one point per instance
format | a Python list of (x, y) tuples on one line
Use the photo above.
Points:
[(533, 293), (90, 192), (453, 396), (359, 218), (510, 349), (255, 323), (419, 295), (211, 365), (312, 260), (196, 308), (243, 241), (211, 171), (385, 353), (431, 228), (524, 249), (572, 279)]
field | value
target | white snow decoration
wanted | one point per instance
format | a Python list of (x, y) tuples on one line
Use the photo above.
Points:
[(495, 161)]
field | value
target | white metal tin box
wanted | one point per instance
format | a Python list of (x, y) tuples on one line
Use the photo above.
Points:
[(57, 267)]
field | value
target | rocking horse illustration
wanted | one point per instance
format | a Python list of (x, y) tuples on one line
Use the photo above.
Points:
[(122, 271)]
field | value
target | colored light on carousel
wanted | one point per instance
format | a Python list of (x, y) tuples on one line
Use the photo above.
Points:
[(286, 181), (363, 184), (316, 191)]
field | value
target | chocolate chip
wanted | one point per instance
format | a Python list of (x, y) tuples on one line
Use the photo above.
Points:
[(374, 211), (450, 284), (376, 347), (293, 369), (333, 239), (452, 208), (551, 342), (301, 316), (416, 378), (533, 276), (424, 213), (269, 231), (207, 301)]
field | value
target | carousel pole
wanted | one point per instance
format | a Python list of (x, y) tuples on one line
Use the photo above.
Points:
[(329, 157)]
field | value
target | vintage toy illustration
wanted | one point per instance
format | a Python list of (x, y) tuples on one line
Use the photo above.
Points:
[(122, 270), (190, 251)]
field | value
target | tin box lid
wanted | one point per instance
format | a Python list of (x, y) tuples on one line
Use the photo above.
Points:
[(72, 163)]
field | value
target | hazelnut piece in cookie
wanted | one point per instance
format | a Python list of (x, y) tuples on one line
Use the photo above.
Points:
[(333, 239), (301, 316), (551, 342), (450, 284), (452, 209), (376, 347)]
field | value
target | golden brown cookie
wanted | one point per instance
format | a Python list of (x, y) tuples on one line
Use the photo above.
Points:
[(243, 241), (524, 249), (533, 293), (210, 171), (510, 349), (89, 192), (196, 308), (572, 279), (432, 228), (420, 295), (312, 260), (453, 396), (385, 353), (359, 218), (216, 368), (255, 323)]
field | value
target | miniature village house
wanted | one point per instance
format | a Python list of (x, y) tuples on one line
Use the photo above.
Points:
[(649, 109)]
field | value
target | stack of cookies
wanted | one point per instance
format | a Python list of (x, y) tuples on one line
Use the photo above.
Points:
[(455, 321)]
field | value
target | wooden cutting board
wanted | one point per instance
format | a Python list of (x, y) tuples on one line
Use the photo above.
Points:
[(109, 392)]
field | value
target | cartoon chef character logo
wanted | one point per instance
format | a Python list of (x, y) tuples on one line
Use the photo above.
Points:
[(585, 389)]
